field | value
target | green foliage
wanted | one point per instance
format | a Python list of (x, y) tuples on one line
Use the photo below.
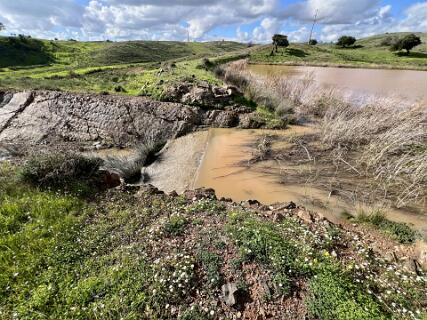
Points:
[(368, 52), (280, 40), (399, 231), (23, 51), (407, 43), (313, 42), (334, 296), (346, 41), (65, 171), (175, 226), (211, 263)]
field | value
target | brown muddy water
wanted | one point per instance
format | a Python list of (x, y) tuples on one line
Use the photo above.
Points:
[(404, 83), (223, 169)]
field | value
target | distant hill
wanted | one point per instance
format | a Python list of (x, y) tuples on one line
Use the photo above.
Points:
[(368, 52), (24, 51)]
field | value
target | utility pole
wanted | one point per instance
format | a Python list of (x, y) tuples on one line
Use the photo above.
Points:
[(312, 27)]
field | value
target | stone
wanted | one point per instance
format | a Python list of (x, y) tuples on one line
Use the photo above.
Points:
[(228, 293)]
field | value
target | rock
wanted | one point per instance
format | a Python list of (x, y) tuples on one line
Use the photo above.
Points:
[(110, 179), (173, 194), (47, 116), (248, 121), (150, 189), (421, 253), (228, 293), (254, 202), (278, 217), (291, 205), (305, 216)]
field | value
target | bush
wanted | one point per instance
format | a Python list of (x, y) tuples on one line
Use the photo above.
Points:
[(64, 171), (176, 225), (346, 41), (313, 42)]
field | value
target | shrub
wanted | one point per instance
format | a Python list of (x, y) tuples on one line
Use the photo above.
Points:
[(313, 42), (406, 43), (346, 41), (65, 171), (175, 226)]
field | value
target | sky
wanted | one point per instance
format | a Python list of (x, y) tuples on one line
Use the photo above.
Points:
[(203, 20)]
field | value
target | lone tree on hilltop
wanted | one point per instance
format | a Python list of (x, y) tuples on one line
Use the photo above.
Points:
[(406, 43), (346, 41), (279, 40)]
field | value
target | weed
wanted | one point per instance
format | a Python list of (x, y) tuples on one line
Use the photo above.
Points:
[(175, 226)]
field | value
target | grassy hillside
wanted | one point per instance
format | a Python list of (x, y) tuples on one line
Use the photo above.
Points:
[(126, 67), (368, 52), (22, 51)]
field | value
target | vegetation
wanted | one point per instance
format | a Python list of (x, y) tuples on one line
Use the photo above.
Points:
[(313, 42), (279, 40), (399, 231), (407, 43), (64, 171), (138, 255), (389, 149), (372, 52), (346, 41)]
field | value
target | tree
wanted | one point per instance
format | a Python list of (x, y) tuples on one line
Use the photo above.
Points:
[(313, 42), (346, 41), (2, 27), (279, 40), (406, 43)]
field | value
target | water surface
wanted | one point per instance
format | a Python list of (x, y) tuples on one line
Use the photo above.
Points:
[(405, 83)]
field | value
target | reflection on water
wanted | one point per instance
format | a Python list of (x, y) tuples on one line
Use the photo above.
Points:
[(223, 169), (406, 83)]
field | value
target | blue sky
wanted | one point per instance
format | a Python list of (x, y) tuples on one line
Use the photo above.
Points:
[(242, 20)]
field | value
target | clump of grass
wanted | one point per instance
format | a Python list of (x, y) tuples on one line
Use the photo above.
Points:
[(64, 171), (130, 167), (211, 263), (399, 231), (175, 226)]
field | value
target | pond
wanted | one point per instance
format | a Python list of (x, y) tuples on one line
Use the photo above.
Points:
[(404, 83), (224, 168)]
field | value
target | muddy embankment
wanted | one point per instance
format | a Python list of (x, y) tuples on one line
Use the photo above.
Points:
[(45, 117)]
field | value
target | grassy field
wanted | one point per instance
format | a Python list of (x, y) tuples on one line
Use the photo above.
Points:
[(127, 255), (134, 68), (368, 52)]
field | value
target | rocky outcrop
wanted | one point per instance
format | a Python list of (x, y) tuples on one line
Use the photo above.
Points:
[(47, 116), (203, 95)]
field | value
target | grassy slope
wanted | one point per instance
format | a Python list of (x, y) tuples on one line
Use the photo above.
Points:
[(104, 66), (371, 54), (141, 256)]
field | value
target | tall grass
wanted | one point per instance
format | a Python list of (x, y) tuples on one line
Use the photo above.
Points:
[(386, 137)]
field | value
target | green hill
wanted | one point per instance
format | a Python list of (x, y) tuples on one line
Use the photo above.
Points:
[(367, 52), (24, 51)]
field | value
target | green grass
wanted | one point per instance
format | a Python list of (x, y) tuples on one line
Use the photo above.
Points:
[(116, 67), (122, 255), (398, 231), (368, 53)]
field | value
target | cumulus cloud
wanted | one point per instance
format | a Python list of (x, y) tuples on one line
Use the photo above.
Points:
[(178, 19)]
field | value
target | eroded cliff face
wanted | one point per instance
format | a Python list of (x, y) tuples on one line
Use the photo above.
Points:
[(46, 117)]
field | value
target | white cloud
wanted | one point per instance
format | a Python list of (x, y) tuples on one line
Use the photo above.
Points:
[(175, 19)]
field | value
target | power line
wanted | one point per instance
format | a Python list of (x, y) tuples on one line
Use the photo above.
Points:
[(312, 27)]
